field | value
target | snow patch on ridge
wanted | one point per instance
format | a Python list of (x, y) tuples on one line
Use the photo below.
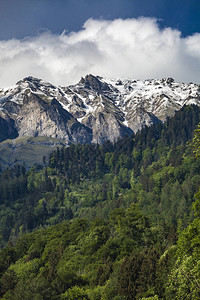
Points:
[(159, 97)]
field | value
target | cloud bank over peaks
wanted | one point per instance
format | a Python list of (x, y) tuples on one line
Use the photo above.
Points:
[(129, 48)]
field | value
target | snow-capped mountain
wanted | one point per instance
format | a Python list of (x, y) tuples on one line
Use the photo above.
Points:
[(93, 110)]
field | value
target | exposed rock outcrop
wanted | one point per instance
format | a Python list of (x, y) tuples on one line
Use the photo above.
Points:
[(94, 110), (7, 127), (38, 117)]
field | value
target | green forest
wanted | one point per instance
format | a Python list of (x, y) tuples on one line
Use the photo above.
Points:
[(117, 221)]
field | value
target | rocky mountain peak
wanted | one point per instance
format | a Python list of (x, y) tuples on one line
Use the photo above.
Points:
[(35, 84), (94, 83), (95, 109), (29, 79)]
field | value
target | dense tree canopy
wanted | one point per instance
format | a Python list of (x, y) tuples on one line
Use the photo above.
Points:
[(117, 221)]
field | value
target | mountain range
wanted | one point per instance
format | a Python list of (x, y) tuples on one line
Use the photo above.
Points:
[(92, 111)]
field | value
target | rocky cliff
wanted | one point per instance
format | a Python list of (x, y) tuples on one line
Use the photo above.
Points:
[(93, 110)]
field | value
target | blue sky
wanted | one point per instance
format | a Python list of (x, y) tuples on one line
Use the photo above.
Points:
[(62, 40), (20, 18)]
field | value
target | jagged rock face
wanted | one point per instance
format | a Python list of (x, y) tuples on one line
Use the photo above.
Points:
[(106, 120), (140, 118), (95, 109), (134, 103), (106, 126), (7, 127), (93, 83), (37, 117)]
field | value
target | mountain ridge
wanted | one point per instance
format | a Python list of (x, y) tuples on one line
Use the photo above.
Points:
[(92, 111)]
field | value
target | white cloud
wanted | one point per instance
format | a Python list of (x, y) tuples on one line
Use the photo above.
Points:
[(134, 48), (193, 45)]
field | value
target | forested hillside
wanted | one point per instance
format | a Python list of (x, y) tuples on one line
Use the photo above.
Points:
[(117, 221)]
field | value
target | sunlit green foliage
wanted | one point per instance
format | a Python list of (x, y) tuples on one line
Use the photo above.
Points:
[(106, 222)]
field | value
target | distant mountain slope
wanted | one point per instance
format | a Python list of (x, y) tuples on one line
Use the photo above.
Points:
[(27, 150), (94, 110)]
